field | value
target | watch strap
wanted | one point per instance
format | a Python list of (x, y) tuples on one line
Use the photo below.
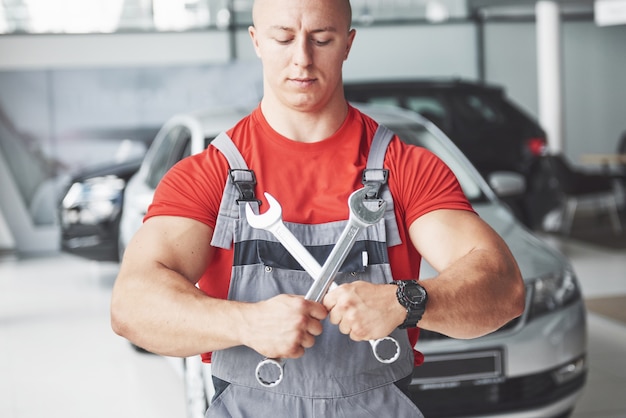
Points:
[(415, 307)]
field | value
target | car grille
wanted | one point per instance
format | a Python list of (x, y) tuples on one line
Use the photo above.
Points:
[(488, 397)]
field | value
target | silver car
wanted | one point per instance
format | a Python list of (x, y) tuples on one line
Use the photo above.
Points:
[(534, 366)]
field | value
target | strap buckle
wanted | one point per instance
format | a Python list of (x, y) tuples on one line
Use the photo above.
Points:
[(374, 179), (244, 181)]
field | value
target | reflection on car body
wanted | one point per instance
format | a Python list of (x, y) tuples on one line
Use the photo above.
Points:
[(533, 367)]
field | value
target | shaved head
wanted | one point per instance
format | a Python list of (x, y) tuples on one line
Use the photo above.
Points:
[(302, 45), (341, 6)]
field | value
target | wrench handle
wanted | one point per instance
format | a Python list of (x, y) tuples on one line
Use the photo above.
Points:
[(296, 249), (337, 256)]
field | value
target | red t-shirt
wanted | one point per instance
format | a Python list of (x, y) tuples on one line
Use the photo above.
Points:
[(312, 182)]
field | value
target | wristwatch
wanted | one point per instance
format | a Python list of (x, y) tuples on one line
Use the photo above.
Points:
[(413, 297)]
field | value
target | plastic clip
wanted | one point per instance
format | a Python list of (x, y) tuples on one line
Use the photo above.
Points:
[(374, 179), (244, 181)]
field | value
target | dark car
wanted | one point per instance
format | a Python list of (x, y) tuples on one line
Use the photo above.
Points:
[(493, 132), (90, 210)]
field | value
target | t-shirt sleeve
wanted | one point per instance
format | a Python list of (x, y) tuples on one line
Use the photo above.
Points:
[(424, 182), (192, 188)]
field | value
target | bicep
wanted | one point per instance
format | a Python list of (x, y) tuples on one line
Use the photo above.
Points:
[(176, 243), (444, 236)]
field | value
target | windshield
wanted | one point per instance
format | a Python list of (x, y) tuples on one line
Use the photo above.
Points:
[(419, 135)]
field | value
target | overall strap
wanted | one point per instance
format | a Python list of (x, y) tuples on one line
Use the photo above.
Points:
[(239, 188), (375, 176)]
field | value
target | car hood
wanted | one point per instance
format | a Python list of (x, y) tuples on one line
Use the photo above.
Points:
[(534, 257)]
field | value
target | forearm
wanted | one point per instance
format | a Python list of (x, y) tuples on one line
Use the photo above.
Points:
[(475, 295)]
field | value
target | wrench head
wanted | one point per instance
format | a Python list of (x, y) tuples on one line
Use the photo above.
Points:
[(265, 220), (366, 211)]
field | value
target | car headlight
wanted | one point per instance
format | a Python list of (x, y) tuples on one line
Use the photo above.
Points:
[(553, 292), (93, 201), (73, 196)]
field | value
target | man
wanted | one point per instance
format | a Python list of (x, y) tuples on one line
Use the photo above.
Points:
[(308, 148)]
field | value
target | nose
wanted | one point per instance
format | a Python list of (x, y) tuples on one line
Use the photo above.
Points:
[(302, 54)]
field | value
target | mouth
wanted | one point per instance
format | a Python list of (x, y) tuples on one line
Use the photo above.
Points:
[(302, 81)]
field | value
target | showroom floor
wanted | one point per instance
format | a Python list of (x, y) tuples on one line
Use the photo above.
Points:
[(59, 357)]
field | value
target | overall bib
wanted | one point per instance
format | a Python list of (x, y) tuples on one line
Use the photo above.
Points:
[(337, 377)]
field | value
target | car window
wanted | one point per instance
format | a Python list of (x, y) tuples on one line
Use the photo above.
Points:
[(476, 109), (385, 101), (174, 147), (420, 136), (430, 107)]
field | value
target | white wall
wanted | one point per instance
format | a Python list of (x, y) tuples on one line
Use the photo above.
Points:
[(594, 79), (403, 51), (413, 51)]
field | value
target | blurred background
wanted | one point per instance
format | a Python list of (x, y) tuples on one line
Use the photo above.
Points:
[(86, 84)]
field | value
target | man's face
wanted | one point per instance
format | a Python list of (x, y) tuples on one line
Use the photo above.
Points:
[(302, 45)]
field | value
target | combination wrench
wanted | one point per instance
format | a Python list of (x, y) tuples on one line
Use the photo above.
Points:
[(363, 213)]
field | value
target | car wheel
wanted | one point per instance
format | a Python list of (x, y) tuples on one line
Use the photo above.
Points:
[(195, 390)]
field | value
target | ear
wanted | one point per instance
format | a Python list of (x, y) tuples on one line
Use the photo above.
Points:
[(255, 41), (351, 36)]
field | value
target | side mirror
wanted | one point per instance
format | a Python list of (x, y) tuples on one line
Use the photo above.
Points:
[(507, 183)]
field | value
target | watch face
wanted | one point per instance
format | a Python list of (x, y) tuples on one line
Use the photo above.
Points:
[(415, 294)]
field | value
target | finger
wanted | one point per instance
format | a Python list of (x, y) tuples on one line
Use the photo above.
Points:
[(318, 311), (334, 317), (344, 328), (314, 327), (308, 341)]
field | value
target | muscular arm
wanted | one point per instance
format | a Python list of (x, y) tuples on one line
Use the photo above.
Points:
[(156, 305), (479, 287)]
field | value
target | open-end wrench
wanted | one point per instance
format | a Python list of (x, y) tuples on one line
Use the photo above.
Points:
[(271, 221), (362, 214)]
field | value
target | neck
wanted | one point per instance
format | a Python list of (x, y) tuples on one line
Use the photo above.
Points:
[(305, 126)]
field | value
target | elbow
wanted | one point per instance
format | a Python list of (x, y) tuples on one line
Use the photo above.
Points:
[(119, 317), (516, 302), (519, 301), (117, 323)]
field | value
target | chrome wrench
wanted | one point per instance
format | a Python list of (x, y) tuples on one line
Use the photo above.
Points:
[(362, 214)]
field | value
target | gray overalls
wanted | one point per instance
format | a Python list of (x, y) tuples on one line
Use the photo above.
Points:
[(337, 377)]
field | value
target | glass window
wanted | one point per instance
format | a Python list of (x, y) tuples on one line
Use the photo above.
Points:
[(385, 101), (475, 109), (174, 147), (105, 16), (429, 107)]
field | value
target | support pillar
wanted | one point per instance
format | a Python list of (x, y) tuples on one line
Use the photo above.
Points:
[(549, 73)]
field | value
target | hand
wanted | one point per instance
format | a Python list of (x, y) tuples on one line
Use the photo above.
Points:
[(364, 310), (284, 326)]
